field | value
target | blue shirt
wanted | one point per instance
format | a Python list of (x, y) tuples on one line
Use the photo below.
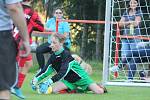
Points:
[(63, 27), (132, 18), (5, 19)]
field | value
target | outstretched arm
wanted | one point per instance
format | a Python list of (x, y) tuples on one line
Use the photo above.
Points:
[(45, 72), (16, 12)]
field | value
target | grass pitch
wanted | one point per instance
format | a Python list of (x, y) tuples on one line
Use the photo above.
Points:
[(114, 92)]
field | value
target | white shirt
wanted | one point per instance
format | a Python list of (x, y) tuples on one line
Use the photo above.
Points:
[(5, 20)]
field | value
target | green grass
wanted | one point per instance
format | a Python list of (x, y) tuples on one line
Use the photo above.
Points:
[(114, 92)]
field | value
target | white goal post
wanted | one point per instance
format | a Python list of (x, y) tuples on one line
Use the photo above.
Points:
[(114, 11)]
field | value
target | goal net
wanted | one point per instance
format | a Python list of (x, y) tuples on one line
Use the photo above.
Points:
[(127, 50)]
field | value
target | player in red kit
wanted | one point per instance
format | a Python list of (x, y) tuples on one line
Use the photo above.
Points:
[(34, 24)]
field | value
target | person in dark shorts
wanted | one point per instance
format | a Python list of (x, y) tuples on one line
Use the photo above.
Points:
[(69, 73), (10, 10), (34, 24)]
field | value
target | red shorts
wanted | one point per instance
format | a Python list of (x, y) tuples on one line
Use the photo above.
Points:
[(23, 60)]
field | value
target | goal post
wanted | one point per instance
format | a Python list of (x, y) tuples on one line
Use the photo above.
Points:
[(113, 42), (107, 42)]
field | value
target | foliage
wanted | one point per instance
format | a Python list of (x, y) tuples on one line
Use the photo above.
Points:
[(78, 9)]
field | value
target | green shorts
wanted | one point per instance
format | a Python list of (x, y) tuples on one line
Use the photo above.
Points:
[(82, 84)]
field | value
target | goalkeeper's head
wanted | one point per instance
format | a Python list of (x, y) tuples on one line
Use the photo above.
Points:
[(57, 41)]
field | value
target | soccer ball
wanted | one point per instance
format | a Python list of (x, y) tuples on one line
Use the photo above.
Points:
[(48, 89)]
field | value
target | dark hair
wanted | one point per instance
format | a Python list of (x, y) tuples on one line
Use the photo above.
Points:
[(137, 8), (56, 8)]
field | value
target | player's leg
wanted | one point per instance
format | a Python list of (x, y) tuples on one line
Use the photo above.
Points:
[(68, 87), (95, 88), (24, 65), (59, 87), (87, 84), (40, 50)]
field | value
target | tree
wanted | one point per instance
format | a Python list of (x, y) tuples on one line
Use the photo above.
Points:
[(84, 10), (100, 29)]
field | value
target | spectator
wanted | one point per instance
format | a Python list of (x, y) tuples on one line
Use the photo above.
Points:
[(10, 10), (130, 22), (33, 24)]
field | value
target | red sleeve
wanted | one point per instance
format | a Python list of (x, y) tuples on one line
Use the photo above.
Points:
[(36, 23)]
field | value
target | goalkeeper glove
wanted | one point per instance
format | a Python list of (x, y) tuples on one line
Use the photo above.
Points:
[(44, 86), (49, 81), (33, 83)]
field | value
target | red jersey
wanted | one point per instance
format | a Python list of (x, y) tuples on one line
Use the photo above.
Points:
[(33, 22)]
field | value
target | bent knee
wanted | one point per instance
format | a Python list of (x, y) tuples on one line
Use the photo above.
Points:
[(38, 50), (99, 91)]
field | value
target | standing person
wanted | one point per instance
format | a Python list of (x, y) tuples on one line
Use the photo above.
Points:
[(33, 24), (50, 26), (130, 22), (10, 10), (69, 73)]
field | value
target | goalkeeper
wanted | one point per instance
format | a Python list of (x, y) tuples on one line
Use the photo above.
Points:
[(69, 74)]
